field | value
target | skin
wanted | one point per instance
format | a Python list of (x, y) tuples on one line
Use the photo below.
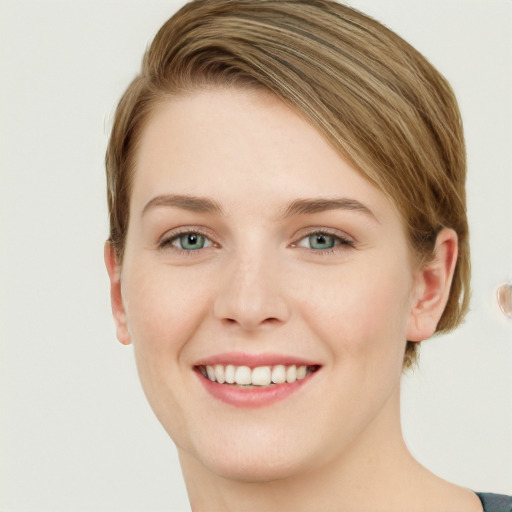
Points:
[(259, 286)]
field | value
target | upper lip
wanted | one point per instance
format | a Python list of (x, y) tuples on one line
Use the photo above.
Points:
[(254, 360)]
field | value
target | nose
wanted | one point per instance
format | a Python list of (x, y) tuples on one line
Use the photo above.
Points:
[(251, 294)]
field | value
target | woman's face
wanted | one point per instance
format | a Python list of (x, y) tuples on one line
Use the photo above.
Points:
[(252, 243)]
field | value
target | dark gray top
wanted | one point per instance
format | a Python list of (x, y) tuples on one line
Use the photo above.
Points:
[(495, 502)]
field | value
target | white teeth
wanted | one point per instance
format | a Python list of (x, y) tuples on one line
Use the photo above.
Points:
[(219, 373), (211, 372), (291, 374), (259, 376), (243, 375), (301, 372), (229, 374), (279, 374)]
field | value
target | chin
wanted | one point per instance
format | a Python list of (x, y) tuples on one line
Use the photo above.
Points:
[(259, 469), (249, 455)]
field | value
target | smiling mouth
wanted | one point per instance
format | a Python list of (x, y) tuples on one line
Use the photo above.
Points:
[(258, 377)]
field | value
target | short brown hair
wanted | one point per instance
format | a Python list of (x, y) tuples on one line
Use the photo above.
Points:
[(379, 102)]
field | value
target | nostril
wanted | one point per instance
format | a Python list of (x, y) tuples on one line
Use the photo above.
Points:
[(266, 321)]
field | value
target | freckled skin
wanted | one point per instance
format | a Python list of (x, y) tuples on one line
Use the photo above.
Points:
[(260, 284)]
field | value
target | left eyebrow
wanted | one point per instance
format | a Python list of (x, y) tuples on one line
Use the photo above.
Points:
[(318, 205)]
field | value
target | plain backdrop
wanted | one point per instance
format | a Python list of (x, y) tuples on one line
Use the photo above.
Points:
[(76, 433)]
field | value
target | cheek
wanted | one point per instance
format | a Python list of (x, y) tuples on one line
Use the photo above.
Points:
[(164, 307), (362, 312)]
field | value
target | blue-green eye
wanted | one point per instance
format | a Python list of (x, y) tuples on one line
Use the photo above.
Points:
[(190, 241), (323, 241)]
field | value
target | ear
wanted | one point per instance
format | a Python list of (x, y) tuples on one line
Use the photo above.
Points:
[(432, 287), (116, 298)]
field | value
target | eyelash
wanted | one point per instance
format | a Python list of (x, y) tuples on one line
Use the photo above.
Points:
[(167, 242), (340, 241)]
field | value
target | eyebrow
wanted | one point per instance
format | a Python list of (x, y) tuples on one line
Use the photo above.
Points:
[(297, 207), (318, 205), (185, 202)]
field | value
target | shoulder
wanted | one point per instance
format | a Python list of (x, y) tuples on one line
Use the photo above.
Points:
[(495, 502)]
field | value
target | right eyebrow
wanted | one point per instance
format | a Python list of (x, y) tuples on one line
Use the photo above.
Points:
[(185, 202)]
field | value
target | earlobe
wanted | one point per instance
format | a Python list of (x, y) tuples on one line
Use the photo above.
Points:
[(116, 298), (432, 287)]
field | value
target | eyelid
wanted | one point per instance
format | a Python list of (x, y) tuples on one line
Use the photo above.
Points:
[(345, 241), (166, 240)]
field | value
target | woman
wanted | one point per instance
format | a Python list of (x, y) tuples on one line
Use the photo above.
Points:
[(287, 223)]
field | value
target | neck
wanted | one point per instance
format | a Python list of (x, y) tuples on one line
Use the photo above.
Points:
[(375, 472)]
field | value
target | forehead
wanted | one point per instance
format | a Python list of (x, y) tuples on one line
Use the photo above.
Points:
[(235, 145)]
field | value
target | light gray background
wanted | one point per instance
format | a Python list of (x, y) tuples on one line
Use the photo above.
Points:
[(76, 432)]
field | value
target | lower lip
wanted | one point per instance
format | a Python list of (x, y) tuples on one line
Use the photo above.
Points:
[(252, 397)]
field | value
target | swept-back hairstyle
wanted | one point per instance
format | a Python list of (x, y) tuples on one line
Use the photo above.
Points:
[(376, 99)]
